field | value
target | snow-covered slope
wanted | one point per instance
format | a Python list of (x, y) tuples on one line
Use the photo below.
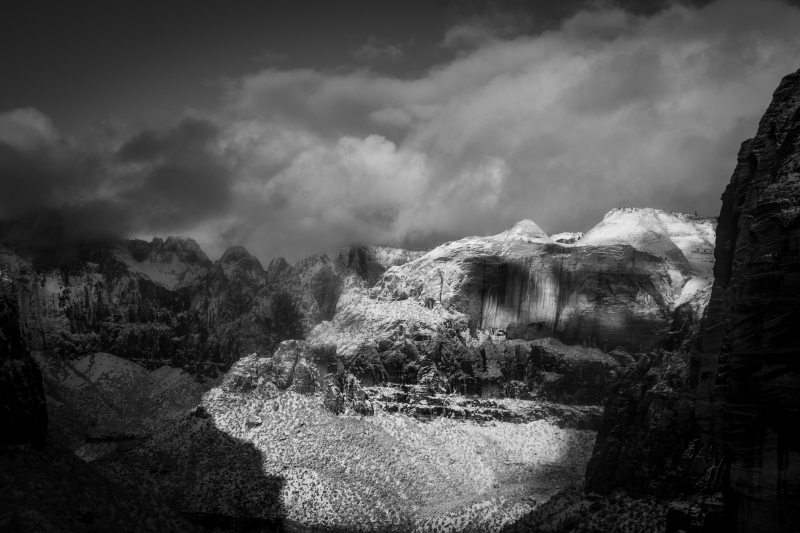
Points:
[(686, 241)]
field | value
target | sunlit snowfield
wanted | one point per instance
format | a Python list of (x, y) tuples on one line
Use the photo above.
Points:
[(288, 458)]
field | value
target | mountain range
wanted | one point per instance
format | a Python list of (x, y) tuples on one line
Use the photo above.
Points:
[(644, 371)]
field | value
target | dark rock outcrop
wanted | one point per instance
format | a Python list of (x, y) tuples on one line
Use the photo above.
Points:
[(343, 393), (648, 443), (445, 361), (746, 369), (23, 412), (718, 425)]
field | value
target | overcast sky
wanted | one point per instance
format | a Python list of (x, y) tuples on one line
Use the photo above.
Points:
[(299, 127)]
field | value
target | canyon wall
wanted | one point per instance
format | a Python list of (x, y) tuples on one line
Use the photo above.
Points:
[(617, 286), (473, 311), (714, 430), (166, 302), (746, 369)]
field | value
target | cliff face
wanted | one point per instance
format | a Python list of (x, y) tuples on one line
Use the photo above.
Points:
[(617, 286), (472, 311), (23, 413), (746, 370), (44, 486), (165, 301), (718, 424)]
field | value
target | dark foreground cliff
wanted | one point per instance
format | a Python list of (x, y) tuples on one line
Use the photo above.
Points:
[(706, 438), (746, 369)]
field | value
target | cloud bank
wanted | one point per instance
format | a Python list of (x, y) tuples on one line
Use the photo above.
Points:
[(609, 109)]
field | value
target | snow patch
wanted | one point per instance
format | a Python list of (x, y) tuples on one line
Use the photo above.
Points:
[(685, 239), (567, 237)]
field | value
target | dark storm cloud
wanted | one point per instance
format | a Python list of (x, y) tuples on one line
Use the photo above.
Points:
[(556, 112), (39, 167), (53, 194), (48, 187), (180, 174)]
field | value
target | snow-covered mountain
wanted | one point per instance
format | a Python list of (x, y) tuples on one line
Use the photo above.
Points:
[(687, 241), (517, 315), (386, 309), (617, 285)]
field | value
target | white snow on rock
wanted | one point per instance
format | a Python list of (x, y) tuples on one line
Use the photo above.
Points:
[(686, 240), (567, 237), (442, 285), (525, 231)]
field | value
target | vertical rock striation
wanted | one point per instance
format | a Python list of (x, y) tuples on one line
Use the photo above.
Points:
[(746, 369), (721, 420), (165, 301)]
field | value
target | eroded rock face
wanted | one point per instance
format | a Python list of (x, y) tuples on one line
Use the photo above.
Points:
[(164, 301), (720, 421), (299, 367), (746, 370), (287, 369), (616, 286), (471, 309)]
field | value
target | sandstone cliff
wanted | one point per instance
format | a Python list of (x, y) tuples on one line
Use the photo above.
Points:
[(45, 487), (472, 309), (165, 301), (745, 371), (718, 425)]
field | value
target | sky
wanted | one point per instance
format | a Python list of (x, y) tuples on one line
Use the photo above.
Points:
[(300, 127)]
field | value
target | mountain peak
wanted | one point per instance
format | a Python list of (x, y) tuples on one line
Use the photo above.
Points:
[(238, 258), (276, 267), (525, 230), (236, 253)]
